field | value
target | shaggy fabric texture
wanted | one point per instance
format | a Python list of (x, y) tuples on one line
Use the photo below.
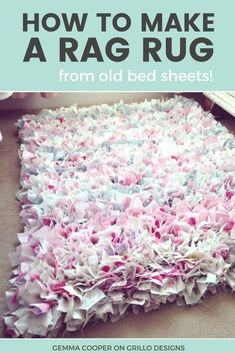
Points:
[(124, 206)]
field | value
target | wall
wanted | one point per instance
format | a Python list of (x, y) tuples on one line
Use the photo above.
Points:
[(35, 101)]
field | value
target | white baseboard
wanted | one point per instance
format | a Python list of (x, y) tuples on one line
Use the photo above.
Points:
[(225, 100)]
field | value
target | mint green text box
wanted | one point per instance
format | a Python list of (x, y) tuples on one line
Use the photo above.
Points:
[(117, 345), (17, 75)]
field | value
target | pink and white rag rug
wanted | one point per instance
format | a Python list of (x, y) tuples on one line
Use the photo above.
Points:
[(124, 207)]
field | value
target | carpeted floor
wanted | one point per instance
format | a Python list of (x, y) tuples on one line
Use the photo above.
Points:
[(213, 319)]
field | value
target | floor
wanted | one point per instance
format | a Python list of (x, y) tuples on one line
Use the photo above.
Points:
[(215, 317)]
